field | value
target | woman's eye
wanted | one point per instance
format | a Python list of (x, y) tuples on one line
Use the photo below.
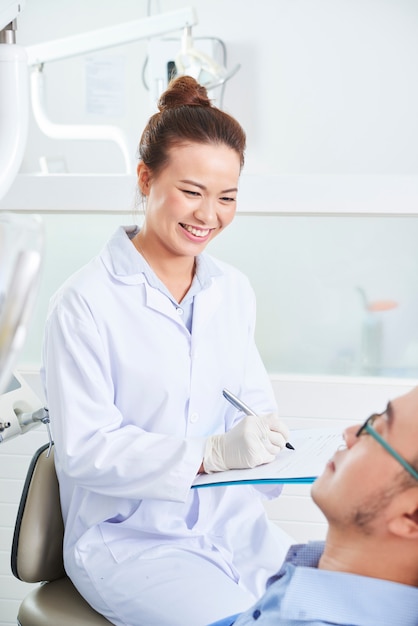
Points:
[(191, 193), (227, 199)]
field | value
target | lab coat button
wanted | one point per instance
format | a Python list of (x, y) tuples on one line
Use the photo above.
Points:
[(179, 310), (194, 417)]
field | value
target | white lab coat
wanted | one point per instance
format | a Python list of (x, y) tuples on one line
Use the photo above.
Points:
[(133, 396)]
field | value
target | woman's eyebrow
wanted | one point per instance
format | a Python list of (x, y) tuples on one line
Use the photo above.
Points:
[(200, 186), (192, 182)]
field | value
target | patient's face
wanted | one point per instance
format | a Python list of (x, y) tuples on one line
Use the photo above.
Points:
[(360, 482)]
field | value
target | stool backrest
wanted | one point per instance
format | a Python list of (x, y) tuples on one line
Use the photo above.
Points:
[(39, 530)]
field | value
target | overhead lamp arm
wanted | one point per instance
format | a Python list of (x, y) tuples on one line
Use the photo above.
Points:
[(9, 10), (85, 43), (111, 36), (14, 96)]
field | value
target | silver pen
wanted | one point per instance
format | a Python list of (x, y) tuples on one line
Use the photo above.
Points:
[(241, 406)]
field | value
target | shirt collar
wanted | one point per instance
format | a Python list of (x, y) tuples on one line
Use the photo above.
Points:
[(350, 599), (303, 554), (346, 599)]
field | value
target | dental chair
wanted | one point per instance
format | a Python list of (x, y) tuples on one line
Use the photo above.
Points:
[(37, 553)]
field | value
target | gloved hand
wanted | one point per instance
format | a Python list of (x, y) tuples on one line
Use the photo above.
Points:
[(255, 440)]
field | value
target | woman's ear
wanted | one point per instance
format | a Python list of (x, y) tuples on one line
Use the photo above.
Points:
[(144, 178)]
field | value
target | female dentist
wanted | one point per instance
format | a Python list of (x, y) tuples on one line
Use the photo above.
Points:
[(138, 347)]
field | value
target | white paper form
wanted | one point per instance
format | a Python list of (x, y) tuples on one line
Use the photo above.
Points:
[(313, 449)]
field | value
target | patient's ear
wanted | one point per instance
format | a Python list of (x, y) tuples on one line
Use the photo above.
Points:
[(414, 516), (405, 523)]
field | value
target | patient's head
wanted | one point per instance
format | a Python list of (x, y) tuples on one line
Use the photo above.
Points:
[(364, 489)]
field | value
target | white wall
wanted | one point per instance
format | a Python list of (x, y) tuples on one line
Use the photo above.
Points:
[(325, 86), (305, 271)]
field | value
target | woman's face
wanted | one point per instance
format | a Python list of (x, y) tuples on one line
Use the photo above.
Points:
[(192, 199)]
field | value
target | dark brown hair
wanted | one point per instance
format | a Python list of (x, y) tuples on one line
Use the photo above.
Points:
[(187, 115)]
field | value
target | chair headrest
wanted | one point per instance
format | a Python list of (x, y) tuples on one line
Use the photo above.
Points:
[(39, 530)]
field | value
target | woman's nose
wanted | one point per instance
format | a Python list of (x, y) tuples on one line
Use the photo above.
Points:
[(350, 435), (206, 212)]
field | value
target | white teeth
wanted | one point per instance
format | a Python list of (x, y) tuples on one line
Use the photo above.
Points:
[(197, 232)]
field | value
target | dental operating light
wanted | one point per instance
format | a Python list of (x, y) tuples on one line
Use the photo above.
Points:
[(21, 237), (192, 62), (21, 247)]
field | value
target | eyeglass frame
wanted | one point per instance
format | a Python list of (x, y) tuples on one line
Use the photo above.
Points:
[(369, 428)]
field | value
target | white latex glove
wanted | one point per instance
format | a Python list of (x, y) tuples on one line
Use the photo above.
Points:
[(257, 439)]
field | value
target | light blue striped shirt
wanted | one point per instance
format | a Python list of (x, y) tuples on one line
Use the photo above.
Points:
[(302, 595)]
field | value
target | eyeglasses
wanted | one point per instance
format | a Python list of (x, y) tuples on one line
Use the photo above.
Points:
[(368, 428)]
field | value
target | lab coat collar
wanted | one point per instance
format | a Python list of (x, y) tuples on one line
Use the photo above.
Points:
[(124, 263), (121, 258)]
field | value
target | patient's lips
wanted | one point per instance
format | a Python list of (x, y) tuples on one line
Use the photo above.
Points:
[(330, 465)]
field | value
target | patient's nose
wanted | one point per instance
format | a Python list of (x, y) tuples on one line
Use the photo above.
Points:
[(350, 435)]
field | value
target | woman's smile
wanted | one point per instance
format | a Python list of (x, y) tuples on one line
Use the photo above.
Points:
[(201, 233)]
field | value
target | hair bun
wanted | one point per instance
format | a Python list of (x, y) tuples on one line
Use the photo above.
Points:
[(183, 91)]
